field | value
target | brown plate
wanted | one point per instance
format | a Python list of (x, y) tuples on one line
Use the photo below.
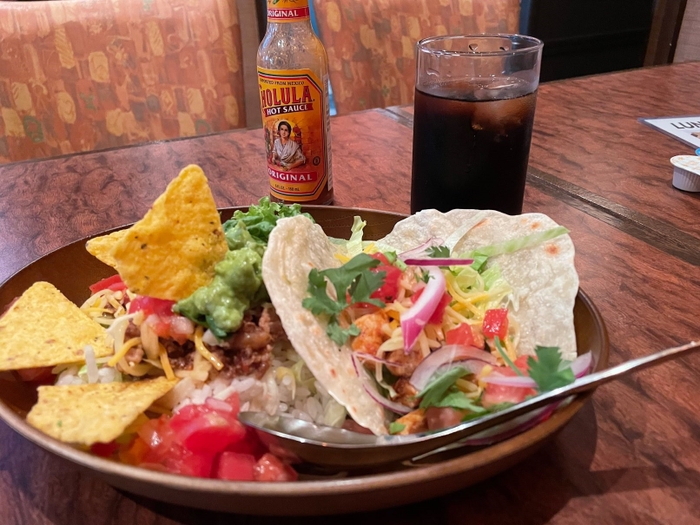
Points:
[(72, 270)]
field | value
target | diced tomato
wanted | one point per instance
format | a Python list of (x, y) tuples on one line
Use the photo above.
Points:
[(249, 445), (158, 435), (208, 431), (521, 363), (388, 291), (182, 461), (271, 468), (235, 467), (464, 335), (495, 323), (40, 375), (160, 325), (205, 440), (113, 283), (158, 314), (439, 312), (151, 305), (105, 450), (496, 394)]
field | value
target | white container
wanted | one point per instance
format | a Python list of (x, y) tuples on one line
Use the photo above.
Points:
[(686, 172)]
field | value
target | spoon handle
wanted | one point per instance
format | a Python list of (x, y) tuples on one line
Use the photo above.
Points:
[(583, 384)]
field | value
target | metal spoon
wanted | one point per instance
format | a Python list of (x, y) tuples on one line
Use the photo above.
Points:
[(339, 448)]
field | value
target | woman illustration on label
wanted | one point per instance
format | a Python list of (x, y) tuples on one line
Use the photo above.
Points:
[(286, 152)]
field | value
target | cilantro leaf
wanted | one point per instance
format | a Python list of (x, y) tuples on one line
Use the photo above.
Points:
[(354, 282), (457, 399), (438, 387), (395, 428), (438, 252), (546, 369), (340, 335)]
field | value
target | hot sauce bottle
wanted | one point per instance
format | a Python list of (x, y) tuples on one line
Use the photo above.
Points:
[(293, 79)]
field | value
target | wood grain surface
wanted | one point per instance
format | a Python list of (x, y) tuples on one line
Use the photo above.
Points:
[(630, 456)]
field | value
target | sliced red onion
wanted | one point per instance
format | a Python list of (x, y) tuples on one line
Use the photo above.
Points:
[(369, 387), (469, 357), (438, 261), (421, 250), (582, 364), (413, 320), (514, 381)]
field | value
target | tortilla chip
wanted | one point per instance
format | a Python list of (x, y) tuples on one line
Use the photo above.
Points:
[(296, 246), (101, 247), (93, 413), (543, 277), (172, 251), (44, 328)]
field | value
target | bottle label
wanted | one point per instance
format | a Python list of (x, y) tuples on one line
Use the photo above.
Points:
[(287, 10), (293, 114)]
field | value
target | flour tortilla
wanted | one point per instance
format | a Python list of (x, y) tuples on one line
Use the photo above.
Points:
[(296, 246), (543, 278)]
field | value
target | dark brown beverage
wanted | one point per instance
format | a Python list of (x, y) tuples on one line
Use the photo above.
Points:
[(469, 150)]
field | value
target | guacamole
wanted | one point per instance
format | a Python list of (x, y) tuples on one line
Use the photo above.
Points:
[(236, 287)]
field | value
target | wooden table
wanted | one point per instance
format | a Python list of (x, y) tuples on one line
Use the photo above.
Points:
[(630, 456)]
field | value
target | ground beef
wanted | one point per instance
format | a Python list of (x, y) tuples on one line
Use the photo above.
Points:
[(249, 349), (131, 331), (247, 352), (181, 357)]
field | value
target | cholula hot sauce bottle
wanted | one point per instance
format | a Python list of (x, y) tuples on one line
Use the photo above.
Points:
[(293, 79)]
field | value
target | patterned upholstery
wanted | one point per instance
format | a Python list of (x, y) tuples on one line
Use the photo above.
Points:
[(371, 43), (78, 75)]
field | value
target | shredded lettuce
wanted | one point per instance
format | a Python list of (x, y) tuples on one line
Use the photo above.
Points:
[(261, 218), (354, 245), (497, 287), (481, 255)]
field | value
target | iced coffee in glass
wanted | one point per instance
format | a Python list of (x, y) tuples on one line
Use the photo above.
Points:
[(474, 109)]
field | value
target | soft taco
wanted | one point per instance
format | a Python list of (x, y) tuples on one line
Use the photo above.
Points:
[(450, 316)]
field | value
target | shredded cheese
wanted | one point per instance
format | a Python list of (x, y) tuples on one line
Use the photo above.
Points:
[(128, 345), (163, 354), (206, 354)]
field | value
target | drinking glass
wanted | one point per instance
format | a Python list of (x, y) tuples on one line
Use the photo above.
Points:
[(474, 110)]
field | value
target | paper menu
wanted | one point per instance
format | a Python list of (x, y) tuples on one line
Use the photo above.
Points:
[(686, 129)]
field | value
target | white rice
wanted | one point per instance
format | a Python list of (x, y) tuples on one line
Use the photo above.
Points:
[(278, 392)]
